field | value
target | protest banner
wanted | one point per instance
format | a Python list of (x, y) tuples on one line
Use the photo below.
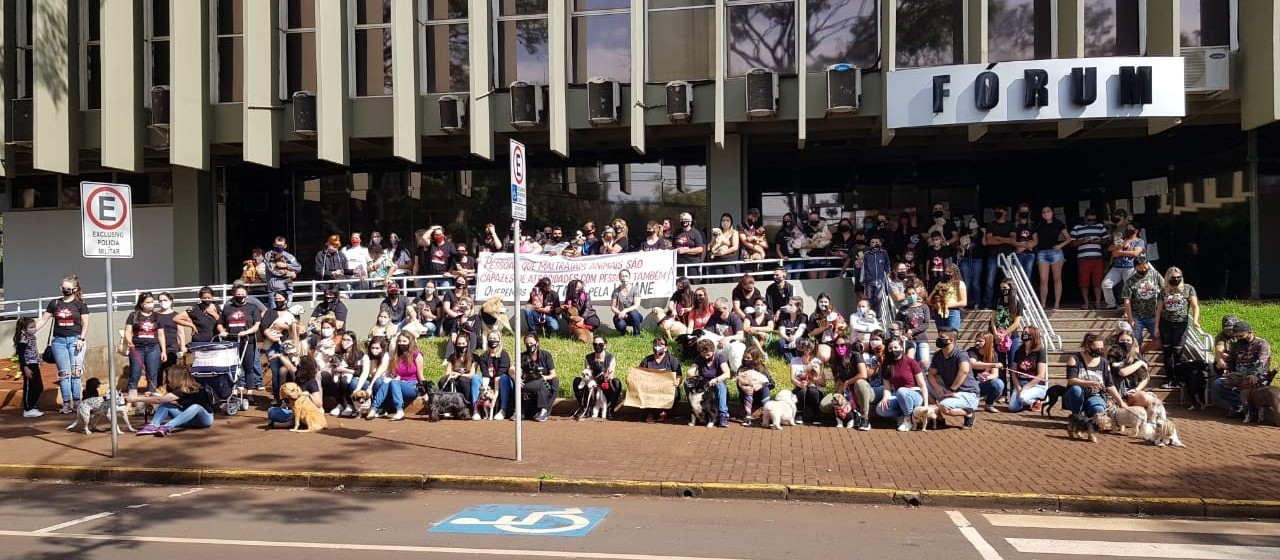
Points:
[(653, 274)]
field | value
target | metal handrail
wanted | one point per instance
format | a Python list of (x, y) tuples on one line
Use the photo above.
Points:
[(1028, 302), (888, 309), (763, 268)]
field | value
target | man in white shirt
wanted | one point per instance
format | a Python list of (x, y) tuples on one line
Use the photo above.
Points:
[(357, 256)]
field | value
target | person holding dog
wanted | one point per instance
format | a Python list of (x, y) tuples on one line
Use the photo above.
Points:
[(853, 380), (808, 379), (713, 369), (904, 385), (543, 304), (791, 327), (1248, 357), (661, 360), (185, 405), (1030, 372), (599, 370), (539, 384), (492, 365), (1089, 381), (308, 379), (405, 371)]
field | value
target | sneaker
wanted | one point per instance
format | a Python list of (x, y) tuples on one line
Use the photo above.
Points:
[(162, 431), (1036, 406), (747, 422), (475, 415), (799, 421), (1235, 413), (865, 426), (543, 415), (399, 415), (244, 404), (66, 408), (968, 421), (1170, 385), (336, 410), (499, 415), (904, 424), (348, 411), (149, 429), (991, 408), (33, 413)]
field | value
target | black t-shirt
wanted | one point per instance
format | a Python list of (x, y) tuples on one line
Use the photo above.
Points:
[(845, 371), (491, 366), (787, 326), (776, 297), (67, 317), (725, 327), (688, 239), (434, 259), (550, 299), (432, 305), (840, 246), (458, 262), (667, 363), (206, 325), (197, 397), (532, 367), (743, 299), (236, 318), (783, 242), (997, 229), (1022, 232), (1050, 234), (146, 329), (709, 369), (338, 309), (170, 329), (395, 309), (466, 326), (597, 367)]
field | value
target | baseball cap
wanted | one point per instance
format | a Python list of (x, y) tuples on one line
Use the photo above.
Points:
[(1243, 327), (1229, 322)]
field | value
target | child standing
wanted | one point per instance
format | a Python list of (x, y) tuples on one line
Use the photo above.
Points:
[(24, 341)]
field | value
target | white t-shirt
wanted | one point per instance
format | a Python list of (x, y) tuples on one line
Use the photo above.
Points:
[(357, 259)]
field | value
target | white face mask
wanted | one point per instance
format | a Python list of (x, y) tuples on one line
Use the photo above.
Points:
[(326, 332), (166, 304), (383, 320)]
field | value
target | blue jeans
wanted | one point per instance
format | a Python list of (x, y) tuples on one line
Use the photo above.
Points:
[(144, 357), (903, 402), (1227, 394), (1028, 260), (477, 383), (532, 319), (951, 320), (722, 400), (971, 273), (399, 390), (1018, 401), (792, 268), (279, 415), (1147, 324), (922, 353), (1077, 403), (631, 319), (989, 287), (787, 353), (70, 366), (506, 388), (991, 389), (1006, 358), (194, 416)]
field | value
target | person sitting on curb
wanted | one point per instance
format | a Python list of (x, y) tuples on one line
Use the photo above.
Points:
[(661, 360), (186, 405), (951, 377), (1248, 357), (539, 384), (308, 379)]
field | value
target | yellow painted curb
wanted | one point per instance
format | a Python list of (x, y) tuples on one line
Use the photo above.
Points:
[(724, 490), (56, 472), (231, 476), (1216, 507), (151, 475), (1097, 504), (365, 480), (1012, 500), (488, 483), (841, 494), (586, 486)]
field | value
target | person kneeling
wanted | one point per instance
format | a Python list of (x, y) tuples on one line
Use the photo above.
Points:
[(598, 389)]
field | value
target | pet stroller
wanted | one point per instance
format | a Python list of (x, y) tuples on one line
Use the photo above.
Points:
[(217, 366)]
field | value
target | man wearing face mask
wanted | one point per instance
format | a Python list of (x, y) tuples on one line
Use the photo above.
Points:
[(972, 255), (875, 267), (331, 304), (1087, 237), (330, 264), (661, 360), (240, 320), (725, 322), (951, 380), (950, 235), (434, 253), (999, 240), (779, 292), (690, 246), (782, 248), (396, 306), (282, 270), (1123, 257), (1247, 361), (1140, 295)]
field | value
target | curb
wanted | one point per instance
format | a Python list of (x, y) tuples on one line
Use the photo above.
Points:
[(1123, 505)]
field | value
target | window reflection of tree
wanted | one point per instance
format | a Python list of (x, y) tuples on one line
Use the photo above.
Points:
[(926, 32), (842, 31), (1011, 25), (1099, 28), (762, 36)]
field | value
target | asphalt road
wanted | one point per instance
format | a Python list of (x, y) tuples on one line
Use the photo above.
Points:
[(75, 521)]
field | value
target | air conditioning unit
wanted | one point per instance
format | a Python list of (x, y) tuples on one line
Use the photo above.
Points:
[(762, 92), (844, 88), (453, 113), (1207, 69), (603, 101), (526, 105), (304, 113), (160, 107), (679, 101), (21, 121)]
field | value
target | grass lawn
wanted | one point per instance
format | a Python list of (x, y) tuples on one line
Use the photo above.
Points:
[(570, 355), (1264, 317)]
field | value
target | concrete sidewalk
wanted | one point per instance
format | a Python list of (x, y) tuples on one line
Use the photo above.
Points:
[(1007, 455)]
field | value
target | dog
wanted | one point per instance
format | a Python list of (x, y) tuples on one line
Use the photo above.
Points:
[(92, 410), (753, 244), (597, 404), (939, 300), (448, 403), (669, 325), (1259, 398), (720, 241), (1051, 399), (304, 409), (781, 410), (1125, 419), (1080, 426), (487, 403), (249, 272), (363, 401), (702, 402), (751, 381), (92, 388), (577, 325), (494, 314), (846, 416), (1161, 434), (1156, 413), (922, 416)]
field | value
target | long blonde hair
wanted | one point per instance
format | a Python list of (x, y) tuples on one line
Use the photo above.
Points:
[(75, 281), (1168, 288)]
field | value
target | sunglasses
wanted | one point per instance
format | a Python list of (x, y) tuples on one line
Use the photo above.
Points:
[(1175, 278)]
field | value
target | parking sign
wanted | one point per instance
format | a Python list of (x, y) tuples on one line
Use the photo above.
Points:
[(519, 192), (106, 222)]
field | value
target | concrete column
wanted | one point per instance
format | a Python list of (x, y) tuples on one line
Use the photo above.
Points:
[(193, 227), (122, 108), (558, 74), (56, 93), (480, 124), (1163, 39), (1260, 52), (639, 73), (8, 76), (975, 47), (262, 107), (720, 37), (1069, 44), (406, 134), (726, 186), (190, 125), (802, 74), (332, 84), (888, 59)]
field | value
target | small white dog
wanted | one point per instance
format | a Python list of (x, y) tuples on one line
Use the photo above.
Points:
[(921, 416), (90, 411), (781, 410), (1161, 434), (1125, 419), (597, 404)]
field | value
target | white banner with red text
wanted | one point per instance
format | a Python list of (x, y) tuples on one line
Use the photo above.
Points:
[(653, 274)]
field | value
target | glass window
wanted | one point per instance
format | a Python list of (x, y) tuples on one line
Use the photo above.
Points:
[(25, 68), (1111, 28), (522, 41), (299, 47), (372, 48), (157, 69), (1206, 23), (1020, 30), (40, 191), (762, 36), (444, 51), (229, 39), (601, 40), (678, 43), (930, 33), (843, 32), (91, 96)]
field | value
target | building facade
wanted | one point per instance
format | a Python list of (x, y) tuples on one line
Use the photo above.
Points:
[(239, 120)]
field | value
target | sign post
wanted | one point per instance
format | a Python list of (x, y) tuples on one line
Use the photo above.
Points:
[(106, 226), (519, 198)]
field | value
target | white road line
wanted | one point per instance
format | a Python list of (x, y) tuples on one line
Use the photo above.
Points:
[(1144, 550), (1136, 525), (358, 547), (974, 537), (181, 494), (84, 519)]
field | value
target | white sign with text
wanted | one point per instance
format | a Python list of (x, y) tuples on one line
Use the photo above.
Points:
[(653, 274), (106, 220)]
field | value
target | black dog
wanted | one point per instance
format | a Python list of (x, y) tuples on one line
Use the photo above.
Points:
[(697, 387), (1051, 399), (689, 344), (441, 403), (91, 388), (1193, 375)]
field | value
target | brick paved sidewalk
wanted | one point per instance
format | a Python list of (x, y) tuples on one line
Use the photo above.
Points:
[(1004, 453)]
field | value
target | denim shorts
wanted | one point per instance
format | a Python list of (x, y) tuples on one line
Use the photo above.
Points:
[(1050, 256), (961, 400)]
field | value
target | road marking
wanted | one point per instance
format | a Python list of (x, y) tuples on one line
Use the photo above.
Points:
[(1144, 550), (974, 537), (518, 519), (84, 519), (181, 494), (1136, 525), (519, 553)]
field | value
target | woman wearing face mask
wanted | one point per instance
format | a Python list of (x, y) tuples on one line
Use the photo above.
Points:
[(824, 325), (1123, 253), (70, 318), (681, 301), (841, 247), (744, 295), (1051, 236), (404, 373), (904, 386), (782, 244), (951, 299), (654, 240), (791, 327), (599, 370), (809, 378), (145, 341), (282, 326), (1130, 371), (609, 243), (465, 328), (851, 376), (661, 360), (625, 304), (1089, 381), (327, 331), (460, 371), (702, 310), (576, 296), (174, 337), (424, 313), (204, 316), (758, 326), (539, 383), (723, 252), (493, 365), (351, 364), (1025, 239), (971, 254), (1029, 372), (754, 360), (815, 226), (986, 369), (915, 322), (1176, 308), (1006, 321), (373, 367)]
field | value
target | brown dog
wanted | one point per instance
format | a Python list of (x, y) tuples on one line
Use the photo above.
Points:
[(496, 311), (249, 273), (1259, 398), (304, 409), (671, 327), (577, 325)]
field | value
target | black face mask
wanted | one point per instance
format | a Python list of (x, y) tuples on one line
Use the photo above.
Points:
[(1024, 215), (896, 354), (1175, 281), (239, 299), (814, 222), (686, 224), (67, 292), (281, 305), (1115, 220), (494, 343), (598, 347), (786, 223), (530, 347), (942, 343), (1026, 338), (938, 214), (843, 229), (1125, 346), (405, 347)]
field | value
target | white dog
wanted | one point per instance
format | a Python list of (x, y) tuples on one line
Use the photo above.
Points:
[(1124, 419), (922, 415), (781, 410), (1161, 434), (92, 410), (731, 350)]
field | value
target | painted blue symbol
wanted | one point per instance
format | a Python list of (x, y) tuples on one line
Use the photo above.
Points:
[(515, 519), (515, 193)]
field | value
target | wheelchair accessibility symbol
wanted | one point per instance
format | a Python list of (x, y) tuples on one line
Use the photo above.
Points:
[(513, 519)]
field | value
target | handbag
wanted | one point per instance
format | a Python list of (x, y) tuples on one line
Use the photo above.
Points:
[(47, 355)]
